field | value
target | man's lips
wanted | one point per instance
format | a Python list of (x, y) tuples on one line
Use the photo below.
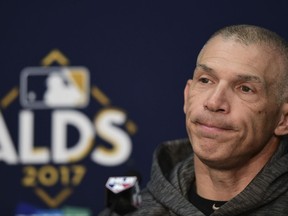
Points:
[(210, 126), (211, 131), (214, 126)]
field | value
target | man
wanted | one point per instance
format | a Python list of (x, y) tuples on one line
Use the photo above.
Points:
[(236, 110)]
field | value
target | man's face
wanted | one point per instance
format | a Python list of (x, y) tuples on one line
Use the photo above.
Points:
[(230, 105)]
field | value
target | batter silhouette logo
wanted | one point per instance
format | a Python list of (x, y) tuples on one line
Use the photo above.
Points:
[(63, 87), (64, 121)]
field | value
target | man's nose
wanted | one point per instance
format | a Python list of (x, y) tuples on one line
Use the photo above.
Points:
[(218, 99)]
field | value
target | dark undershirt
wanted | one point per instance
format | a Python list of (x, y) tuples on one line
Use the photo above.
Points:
[(204, 205)]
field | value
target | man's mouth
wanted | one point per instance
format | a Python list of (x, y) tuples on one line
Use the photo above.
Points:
[(214, 126), (211, 130), (211, 127)]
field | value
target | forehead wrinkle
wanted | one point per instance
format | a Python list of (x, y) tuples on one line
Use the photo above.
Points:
[(204, 67), (249, 78)]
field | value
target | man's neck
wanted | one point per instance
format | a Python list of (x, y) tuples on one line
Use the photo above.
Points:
[(224, 184), (218, 184)]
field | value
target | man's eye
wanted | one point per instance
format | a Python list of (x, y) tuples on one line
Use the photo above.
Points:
[(246, 89), (204, 80)]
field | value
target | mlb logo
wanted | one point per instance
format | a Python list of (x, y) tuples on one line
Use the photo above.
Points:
[(54, 87), (119, 184)]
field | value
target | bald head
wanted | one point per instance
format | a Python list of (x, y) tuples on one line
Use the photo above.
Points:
[(249, 34)]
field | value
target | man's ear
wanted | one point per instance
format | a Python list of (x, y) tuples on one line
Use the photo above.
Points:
[(282, 127), (186, 93)]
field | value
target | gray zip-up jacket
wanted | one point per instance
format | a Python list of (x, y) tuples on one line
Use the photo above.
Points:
[(173, 173)]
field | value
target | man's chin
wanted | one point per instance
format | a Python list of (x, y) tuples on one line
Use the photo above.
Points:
[(217, 161)]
